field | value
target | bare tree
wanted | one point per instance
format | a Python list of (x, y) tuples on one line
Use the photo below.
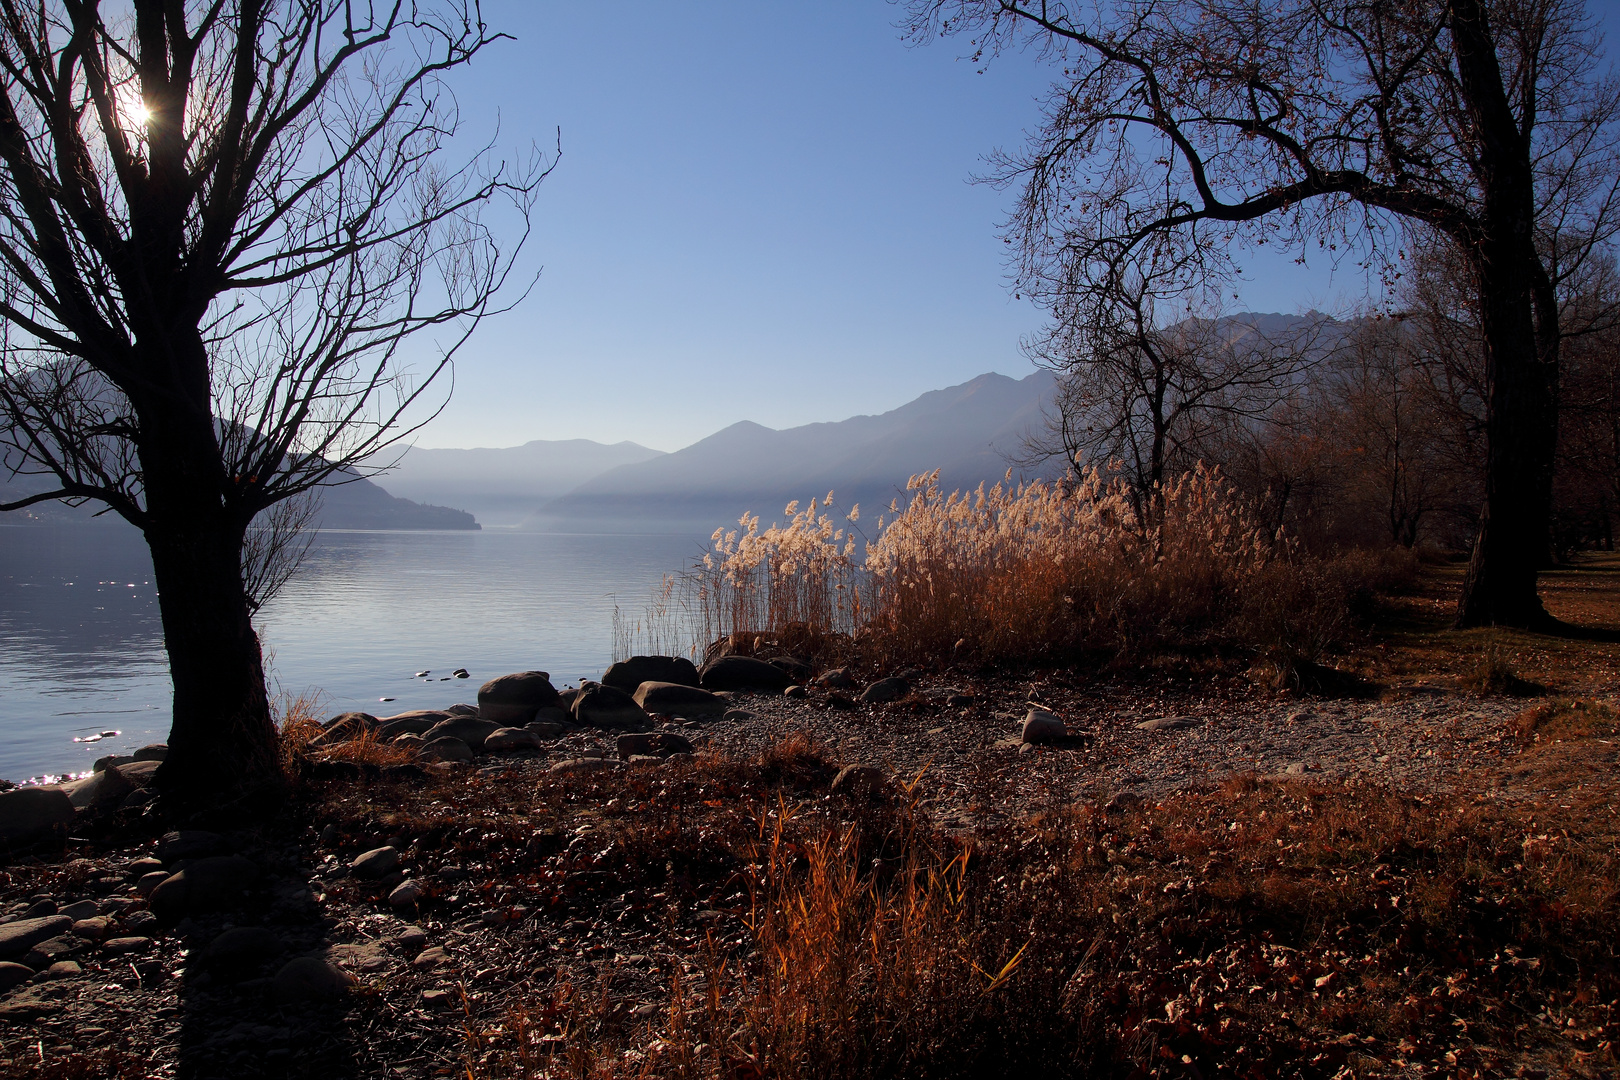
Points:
[(1147, 392), (220, 223), (1199, 127)]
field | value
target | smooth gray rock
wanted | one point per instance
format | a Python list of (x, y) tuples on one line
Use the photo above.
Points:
[(376, 863), (406, 894), (514, 699), (141, 771), (659, 744), (343, 727), (629, 674), (512, 738), (835, 679), (744, 673), (588, 764), (603, 706), (885, 690), (678, 699), (415, 722), (309, 979), (204, 886), (1169, 723), (16, 938), (125, 946), (471, 730), (862, 781), (1042, 726), (445, 748), (28, 812)]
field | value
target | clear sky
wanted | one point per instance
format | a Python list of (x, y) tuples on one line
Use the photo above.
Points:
[(762, 212)]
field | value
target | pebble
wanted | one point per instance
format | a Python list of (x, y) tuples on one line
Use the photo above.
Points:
[(428, 959), (406, 894)]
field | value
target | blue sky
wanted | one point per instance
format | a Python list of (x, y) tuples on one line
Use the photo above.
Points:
[(762, 212)]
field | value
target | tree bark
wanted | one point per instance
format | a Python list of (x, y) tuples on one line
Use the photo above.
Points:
[(1521, 358), (223, 748)]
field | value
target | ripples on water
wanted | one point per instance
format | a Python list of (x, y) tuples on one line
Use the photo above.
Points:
[(81, 643)]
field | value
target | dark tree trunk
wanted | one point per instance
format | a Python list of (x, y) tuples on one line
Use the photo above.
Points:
[(1521, 435), (1521, 358), (222, 745)]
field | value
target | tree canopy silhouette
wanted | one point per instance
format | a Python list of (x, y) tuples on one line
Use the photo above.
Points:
[(1182, 133), (221, 221)]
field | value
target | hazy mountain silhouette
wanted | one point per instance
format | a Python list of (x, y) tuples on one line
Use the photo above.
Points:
[(501, 487), (966, 431), (357, 504)]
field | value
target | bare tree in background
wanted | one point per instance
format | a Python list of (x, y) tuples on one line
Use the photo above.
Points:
[(220, 223), (1150, 393), (1181, 130)]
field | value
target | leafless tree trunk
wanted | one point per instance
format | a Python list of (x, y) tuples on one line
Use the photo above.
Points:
[(220, 221)]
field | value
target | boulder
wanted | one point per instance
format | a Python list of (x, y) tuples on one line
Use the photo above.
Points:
[(469, 729), (31, 811), (652, 744), (744, 673), (188, 844), (511, 738), (82, 909), (309, 979), (126, 946), (111, 759), (627, 675), (462, 709), (101, 790), (835, 679), (514, 699), (796, 669), (92, 929), (16, 938), (141, 771), (1042, 726), (862, 781), (240, 952), (885, 690), (444, 748), (551, 714), (603, 706), (152, 752), (376, 863), (678, 699), (13, 974), (406, 894), (203, 886), (343, 727), (53, 949), (415, 722)]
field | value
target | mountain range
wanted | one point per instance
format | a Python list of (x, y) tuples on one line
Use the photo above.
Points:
[(966, 431)]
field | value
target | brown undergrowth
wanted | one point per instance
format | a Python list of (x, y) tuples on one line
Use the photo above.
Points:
[(1263, 928)]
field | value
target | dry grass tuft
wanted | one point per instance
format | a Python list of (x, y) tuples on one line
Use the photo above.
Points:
[(1028, 572)]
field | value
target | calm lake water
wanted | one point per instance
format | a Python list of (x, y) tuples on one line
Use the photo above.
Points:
[(81, 643)]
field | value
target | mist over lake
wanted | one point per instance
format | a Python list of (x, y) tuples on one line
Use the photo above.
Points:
[(81, 642)]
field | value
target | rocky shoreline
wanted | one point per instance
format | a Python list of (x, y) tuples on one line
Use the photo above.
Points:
[(208, 952)]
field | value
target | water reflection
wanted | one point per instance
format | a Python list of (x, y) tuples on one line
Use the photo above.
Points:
[(81, 646)]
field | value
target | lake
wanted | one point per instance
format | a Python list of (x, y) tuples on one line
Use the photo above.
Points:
[(81, 642)]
